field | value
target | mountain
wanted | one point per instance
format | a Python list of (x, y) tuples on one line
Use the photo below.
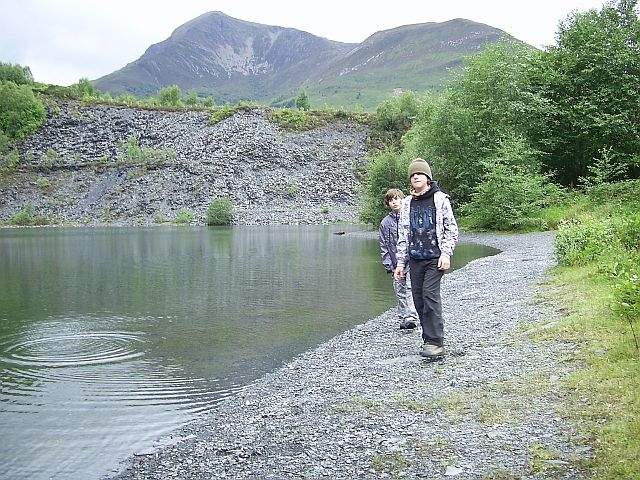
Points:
[(234, 60)]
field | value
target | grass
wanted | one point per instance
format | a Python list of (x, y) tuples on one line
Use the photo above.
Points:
[(392, 463), (605, 398)]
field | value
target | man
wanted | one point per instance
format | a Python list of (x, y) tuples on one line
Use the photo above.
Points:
[(427, 236)]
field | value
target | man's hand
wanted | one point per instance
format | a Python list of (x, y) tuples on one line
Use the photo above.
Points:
[(444, 262)]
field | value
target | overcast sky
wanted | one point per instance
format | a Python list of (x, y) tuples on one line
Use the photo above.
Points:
[(65, 40)]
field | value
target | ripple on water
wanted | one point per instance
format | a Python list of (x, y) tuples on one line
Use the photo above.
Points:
[(96, 367), (77, 349), (80, 394)]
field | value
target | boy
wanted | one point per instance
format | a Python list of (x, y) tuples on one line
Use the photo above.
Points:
[(427, 236), (388, 239)]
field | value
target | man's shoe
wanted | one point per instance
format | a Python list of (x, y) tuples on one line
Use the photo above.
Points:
[(407, 325), (431, 351)]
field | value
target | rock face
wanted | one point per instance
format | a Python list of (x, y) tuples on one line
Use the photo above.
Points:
[(106, 164)]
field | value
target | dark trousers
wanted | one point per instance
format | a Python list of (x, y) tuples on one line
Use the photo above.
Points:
[(425, 284)]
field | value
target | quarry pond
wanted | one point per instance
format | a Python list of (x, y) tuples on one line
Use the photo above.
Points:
[(111, 337)]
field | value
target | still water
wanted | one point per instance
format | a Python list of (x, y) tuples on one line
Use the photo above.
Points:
[(113, 337)]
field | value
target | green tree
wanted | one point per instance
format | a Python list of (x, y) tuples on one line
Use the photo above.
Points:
[(489, 103), (512, 191), (387, 169), (394, 117), (170, 96), (220, 211), (15, 73), (302, 102), (21, 113), (86, 89), (192, 99), (591, 80)]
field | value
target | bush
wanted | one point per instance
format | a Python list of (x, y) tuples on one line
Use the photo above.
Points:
[(394, 117), (584, 240), (86, 89), (27, 217), (625, 301), (221, 113), (184, 216), (131, 153), (302, 102), (21, 113), (386, 170), (290, 119), (510, 197), (15, 73), (620, 197), (9, 161), (220, 211), (170, 96)]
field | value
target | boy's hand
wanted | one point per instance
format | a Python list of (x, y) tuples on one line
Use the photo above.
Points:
[(399, 272), (444, 262)]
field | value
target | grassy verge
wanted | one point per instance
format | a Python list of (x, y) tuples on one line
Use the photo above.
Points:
[(606, 391), (596, 287)]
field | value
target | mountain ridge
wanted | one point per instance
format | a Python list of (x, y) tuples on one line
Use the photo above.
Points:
[(234, 60)]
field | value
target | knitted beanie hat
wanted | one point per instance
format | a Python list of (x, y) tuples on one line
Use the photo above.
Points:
[(420, 166)]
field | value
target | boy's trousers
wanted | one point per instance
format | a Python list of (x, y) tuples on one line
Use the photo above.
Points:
[(406, 310), (425, 285)]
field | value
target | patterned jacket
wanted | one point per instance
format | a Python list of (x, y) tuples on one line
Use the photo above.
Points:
[(446, 227)]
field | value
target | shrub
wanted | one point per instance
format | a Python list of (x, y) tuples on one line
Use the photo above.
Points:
[(21, 113), (131, 153), (49, 159), (302, 102), (584, 240), (221, 113), (220, 211), (289, 119), (86, 89), (15, 73), (27, 217), (43, 183), (9, 161), (625, 301), (170, 96), (387, 169), (184, 216), (510, 197)]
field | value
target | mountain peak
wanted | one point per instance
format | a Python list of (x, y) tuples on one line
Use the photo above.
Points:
[(235, 60)]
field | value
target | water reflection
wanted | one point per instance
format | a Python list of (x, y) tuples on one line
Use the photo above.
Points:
[(110, 338)]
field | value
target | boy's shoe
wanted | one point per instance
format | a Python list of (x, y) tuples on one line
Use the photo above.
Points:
[(407, 325), (431, 351)]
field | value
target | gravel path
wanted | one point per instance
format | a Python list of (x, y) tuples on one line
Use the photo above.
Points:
[(365, 405)]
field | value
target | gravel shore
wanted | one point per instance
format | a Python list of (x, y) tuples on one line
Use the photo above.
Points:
[(366, 405)]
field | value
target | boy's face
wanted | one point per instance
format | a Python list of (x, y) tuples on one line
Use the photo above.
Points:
[(395, 203), (419, 182)]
